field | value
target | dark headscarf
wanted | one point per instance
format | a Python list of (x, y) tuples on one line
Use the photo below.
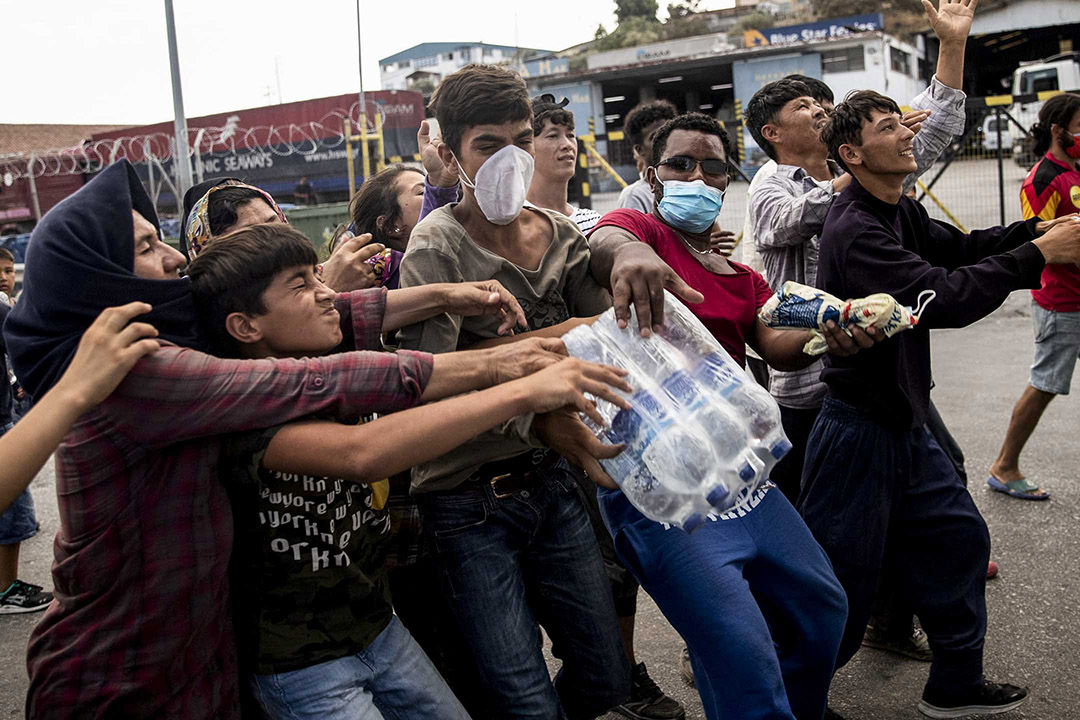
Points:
[(80, 261)]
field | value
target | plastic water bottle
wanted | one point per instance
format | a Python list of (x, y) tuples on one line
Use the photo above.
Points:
[(726, 432), (669, 468), (716, 369), (757, 409)]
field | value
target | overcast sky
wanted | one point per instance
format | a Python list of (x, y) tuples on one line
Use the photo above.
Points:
[(107, 61)]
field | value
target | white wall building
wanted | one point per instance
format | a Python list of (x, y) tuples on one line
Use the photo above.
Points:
[(436, 60)]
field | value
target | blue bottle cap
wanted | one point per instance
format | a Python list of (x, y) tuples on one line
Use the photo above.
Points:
[(781, 448), (718, 496), (747, 472), (692, 522)]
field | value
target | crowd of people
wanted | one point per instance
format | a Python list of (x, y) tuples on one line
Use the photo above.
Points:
[(359, 488)]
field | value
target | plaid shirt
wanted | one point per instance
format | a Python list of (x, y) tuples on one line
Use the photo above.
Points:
[(141, 625), (789, 209)]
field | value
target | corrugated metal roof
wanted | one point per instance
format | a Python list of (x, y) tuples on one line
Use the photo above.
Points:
[(435, 48), (15, 138)]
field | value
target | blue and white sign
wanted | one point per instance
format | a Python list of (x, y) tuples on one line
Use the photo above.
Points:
[(580, 96), (810, 32), (539, 68)]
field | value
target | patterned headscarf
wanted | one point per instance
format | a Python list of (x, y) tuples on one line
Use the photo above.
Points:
[(196, 232)]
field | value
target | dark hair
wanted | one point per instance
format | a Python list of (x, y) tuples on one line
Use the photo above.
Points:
[(767, 103), (223, 204), (1058, 110), (5, 254), (690, 121), (233, 271), (545, 107), (845, 125), (645, 114), (378, 197), (478, 95), (818, 89)]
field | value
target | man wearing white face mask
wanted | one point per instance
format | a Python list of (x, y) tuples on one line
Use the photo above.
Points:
[(512, 538)]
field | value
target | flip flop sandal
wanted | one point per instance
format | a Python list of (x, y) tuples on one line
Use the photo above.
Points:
[(1021, 489)]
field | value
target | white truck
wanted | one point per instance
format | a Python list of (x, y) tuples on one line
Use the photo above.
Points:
[(1060, 72)]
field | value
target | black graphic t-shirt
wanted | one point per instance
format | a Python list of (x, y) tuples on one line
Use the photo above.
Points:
[(308, 577)]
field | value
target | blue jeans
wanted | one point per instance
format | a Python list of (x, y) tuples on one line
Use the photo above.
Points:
[(508, 564), (18, 522), (753, 596), (392, 678), (877, 497)]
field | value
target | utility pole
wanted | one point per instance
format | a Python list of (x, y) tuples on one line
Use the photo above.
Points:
[(181, 156), (360, 61)]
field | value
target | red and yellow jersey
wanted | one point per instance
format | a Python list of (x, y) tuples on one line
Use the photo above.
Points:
[(1052, 189)]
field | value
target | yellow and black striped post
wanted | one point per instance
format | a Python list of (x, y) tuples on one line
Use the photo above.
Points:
[(740, 143)]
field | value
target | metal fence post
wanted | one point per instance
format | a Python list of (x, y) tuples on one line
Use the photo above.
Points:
[(33, 188), (1001, 165)]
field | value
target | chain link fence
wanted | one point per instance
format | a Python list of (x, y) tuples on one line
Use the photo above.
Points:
[(976, 183)]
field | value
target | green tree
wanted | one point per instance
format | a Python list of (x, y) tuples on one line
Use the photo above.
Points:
[(626, 9), (683, 10), (632, 31)]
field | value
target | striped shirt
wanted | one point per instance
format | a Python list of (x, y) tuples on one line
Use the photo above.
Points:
[(585, 219), (141, 625)]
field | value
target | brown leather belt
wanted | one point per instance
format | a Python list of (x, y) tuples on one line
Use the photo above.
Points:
[(518, 473)]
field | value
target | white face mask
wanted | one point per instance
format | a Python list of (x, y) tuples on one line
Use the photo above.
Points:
[(501, 184)]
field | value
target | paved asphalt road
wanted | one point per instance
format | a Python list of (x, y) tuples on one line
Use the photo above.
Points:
[(1033, 638)]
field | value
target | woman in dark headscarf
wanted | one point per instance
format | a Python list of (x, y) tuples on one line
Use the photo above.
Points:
[(140, 626)]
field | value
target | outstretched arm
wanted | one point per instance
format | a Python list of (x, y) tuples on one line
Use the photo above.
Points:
[(370, 452), (634, 273), (952, 24), (108, 350)]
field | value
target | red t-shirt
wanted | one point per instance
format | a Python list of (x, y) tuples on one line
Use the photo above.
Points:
[(731, 301), (1052, 189)]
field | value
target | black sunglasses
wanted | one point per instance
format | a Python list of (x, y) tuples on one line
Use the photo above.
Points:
[(683, 164)]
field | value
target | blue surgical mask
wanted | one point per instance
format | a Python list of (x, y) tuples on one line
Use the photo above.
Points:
[(690, 206)]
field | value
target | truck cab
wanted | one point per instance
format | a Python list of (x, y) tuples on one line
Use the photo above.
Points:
[(1032, 81)]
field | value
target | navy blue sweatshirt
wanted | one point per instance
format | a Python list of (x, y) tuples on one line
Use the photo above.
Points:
[(869, 246)]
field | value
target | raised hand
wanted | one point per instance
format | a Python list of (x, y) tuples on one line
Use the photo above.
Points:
[(438, 174), (348, 268), (913, 120), (952, 20), (109, 348), (487, 297)]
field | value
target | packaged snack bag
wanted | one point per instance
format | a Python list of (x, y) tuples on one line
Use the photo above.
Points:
[(801, 307)]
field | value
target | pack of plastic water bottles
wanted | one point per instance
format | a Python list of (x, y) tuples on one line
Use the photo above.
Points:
[(700, 434)]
